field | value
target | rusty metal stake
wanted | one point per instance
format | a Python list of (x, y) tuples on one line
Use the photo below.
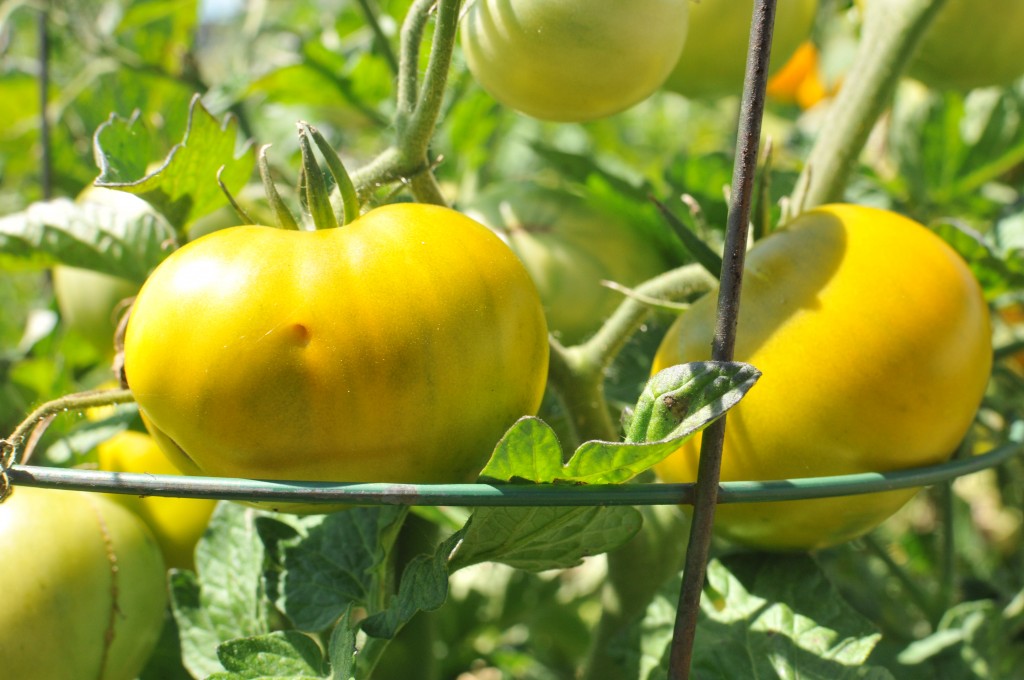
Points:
[(744, 168)]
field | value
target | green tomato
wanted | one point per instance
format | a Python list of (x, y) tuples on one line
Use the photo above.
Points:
[(574, 60), (714, 58), (90, 304), (972, 44), (569, 246), (84, 589), (398, 348), (875, 348)]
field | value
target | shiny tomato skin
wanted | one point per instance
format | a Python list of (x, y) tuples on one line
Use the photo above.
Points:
[(397, 348), (875, 346), (714, 58), (573, 60)]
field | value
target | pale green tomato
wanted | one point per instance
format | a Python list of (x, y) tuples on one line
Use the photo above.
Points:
[(714, 58), (90, 304), (569, 247), (83, 588), (572, 60)]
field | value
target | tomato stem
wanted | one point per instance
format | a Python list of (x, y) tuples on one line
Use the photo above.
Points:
[(892, 31)]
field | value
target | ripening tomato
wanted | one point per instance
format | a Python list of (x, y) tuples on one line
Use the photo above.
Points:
[(574, 60), (177, 523), (874, 343), (971, 44), (800, 81), (84, 588), (398, 348), (714, 58)]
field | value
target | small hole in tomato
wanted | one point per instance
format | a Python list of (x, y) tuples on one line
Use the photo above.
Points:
[(301, 334)]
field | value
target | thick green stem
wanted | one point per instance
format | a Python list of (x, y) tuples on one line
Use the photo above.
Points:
[(418, 108), (891, 32)]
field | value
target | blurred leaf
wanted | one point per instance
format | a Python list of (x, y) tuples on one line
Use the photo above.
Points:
[(185, 187), (997, 274), (103, 238), (222, 602), (761, 616), (973, 640), (282, 654)]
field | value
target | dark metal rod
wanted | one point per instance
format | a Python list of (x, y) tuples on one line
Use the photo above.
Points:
[(748, 140)]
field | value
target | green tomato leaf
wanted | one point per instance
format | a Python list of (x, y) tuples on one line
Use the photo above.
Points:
[(282, 654), (423, 587), (334, 561), (761, 616), (997, 274), (184, 187), (222, 602), (973, 639), (538, 538), (119, 239), (677, 403), (342, 648)]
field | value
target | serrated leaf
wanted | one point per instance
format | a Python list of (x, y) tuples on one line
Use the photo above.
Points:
[(282, 654), (334, 562), (124, 242), (538, 538), (423, 587), (677, 403), (185, 186), (222, 602), (761, 616)]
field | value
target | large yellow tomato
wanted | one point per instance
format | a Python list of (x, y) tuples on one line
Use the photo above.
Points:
[(397, 348), (83, 588), (177, 523), (874, 343), (714, 58), (573, 60), (970, 44)]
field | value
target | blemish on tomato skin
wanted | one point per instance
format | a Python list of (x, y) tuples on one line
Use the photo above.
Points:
[(300, 333)]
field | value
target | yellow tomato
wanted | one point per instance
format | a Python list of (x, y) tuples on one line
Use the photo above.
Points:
[(397, 348), (84, 589), (714, 57), (177, 523), (874, 342)]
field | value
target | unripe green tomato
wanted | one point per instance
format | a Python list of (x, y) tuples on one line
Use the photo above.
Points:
[(714, 58), (177, 523), (83, 588), (971, 43), (569, 246), (573, 60), (398, 348), (874, 343), (89, 304)]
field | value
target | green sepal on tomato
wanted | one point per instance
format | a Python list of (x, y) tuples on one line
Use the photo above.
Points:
[(874, 342), (575, 60), (397, 348)]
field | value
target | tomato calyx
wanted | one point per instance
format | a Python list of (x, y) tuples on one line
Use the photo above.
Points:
[(314, 191)]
